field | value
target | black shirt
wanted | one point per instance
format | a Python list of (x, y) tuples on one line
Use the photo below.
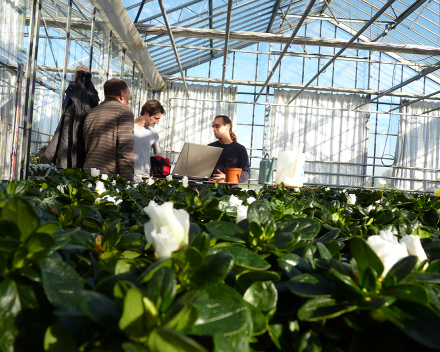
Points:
[(233, 155)]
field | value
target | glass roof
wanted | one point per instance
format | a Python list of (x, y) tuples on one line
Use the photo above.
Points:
[(403, 22)]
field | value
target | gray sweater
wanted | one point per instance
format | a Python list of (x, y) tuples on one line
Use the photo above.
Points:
[(144, 140)]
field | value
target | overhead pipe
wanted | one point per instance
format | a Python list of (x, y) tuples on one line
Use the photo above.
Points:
[(225, 53)]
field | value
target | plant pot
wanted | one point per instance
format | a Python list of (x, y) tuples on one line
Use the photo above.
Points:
[(233, 174)]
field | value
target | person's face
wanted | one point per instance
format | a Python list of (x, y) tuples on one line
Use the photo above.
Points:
[(125, 96), (153, 119), (220, 129)]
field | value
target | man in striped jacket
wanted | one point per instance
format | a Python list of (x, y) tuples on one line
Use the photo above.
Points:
[(108, 132)]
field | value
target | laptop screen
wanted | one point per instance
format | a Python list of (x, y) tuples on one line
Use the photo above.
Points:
[(197, 160)]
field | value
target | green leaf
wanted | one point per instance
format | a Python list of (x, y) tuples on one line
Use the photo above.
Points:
[(106, 286), (57, 338), (329, 236), (409, 292), (323, 308), (422, 232), (243, 257), (99, 308), (226, 231), (384, 217), (281, 240), (201, 242), (8, 229), (17, 209), (247, 278), (400, 270), (213, 271), (306, 229), (424, 278), (11, 188), (262, 295), (417, 321), (60, 282), (324, 253), (347, 281), (365, 257), (10, 308), (293, 264), (180, 316), (38, 242), (135, 320), (311, 285), (188, 258), (134, 347), (431, 217), (161, 289), (167, 340), (234, 343), (149, 272), (48, 227), (221, 310), (260, 214)]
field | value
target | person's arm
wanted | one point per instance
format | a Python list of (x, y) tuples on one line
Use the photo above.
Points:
[(157, 150), (244, 165), (126, 146)]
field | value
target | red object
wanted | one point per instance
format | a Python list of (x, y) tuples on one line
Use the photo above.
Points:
[(162, 167)]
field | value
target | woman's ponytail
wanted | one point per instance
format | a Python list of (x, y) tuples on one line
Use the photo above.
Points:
[(227, 121)]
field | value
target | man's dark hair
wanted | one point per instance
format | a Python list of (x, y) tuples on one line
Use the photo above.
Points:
[(114, 87), (152, 107)]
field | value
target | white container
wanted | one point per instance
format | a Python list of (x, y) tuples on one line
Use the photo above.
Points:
[(290, 167)]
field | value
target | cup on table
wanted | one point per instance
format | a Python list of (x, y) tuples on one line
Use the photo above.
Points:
[(437, 192)]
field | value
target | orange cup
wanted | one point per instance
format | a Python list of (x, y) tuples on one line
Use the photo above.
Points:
[(233, 174)]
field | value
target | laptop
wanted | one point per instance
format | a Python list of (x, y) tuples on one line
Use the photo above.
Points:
[(196, 161)]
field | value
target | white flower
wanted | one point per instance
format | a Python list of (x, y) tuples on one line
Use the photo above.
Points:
[(234, 201), (104, 176), (112, 199), (414, 247), (89, 185), (117, 190), (100, 188), (97, 200), (242, 211), (41, 189), (114, 182), (150, 181), (250, 200), (61, 188), (382, 181), (166, 223), (327, 188), (169, 178), (164, 243), (388, 249), (185, 181), (377, 201), (94, 172), (370, 208), (351, 199), (128, 187), (344, 190)]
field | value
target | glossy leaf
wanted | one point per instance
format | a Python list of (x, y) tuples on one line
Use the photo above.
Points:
[(247, 278), (180, 316), (60, 282), (167, 340), (311, 285), (243, 257), (17, 209), (365, 257), (262, 295), (323, 308), (226, 231), (58, 338), (161, 289), (400, 270), (260, 214), (99, 308)]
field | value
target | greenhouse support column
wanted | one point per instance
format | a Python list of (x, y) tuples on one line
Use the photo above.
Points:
[(66, 54), (225, 54), (16, 124), (267, 110), (92, 36), (109, 55), (122, 64), (30, 87)]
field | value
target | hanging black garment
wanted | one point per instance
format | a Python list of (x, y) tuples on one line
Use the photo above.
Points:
[(67, 149)]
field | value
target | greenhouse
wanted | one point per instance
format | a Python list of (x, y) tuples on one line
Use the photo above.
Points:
[(325, 239)]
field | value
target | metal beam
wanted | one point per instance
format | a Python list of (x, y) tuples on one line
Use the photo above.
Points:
[(66, 55), (415, 101), (255, 37), (399, 19), (225, 52), (164, 13), (274, 14), (172, 10), (382, 10), (140, 10), (210, 23), (237, 82), (408, 81), (339, 19), (286, 47)]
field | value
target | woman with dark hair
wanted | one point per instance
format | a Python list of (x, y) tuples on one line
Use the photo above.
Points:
[(233, 155)]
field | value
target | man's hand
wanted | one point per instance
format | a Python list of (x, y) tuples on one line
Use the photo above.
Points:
[(79, 68), (220, 177)]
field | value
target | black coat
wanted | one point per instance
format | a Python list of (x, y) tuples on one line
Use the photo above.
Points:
[(67, 149)]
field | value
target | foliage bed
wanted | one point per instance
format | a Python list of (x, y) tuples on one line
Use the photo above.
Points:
[(77, 274)]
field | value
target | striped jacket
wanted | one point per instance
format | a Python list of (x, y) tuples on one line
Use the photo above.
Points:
[(109, 139)]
